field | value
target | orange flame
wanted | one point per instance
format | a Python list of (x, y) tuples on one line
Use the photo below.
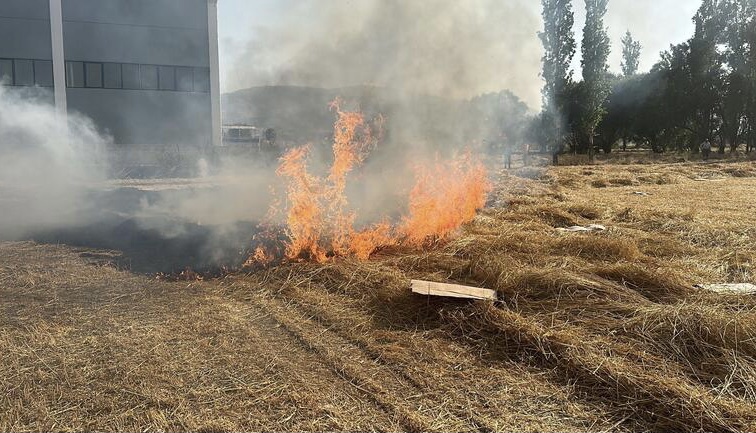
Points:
[(304, 219), (363, 244), (351, 141), (319, 223), (446, 195), (260, 257)]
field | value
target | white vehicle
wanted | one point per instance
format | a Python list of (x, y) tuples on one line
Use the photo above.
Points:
[(242, 134)]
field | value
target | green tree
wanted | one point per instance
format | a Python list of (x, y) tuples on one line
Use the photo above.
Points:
[(558, 39), (705, 62), (631, 51), (738, 107), (703, 88), (748, 37), (499, 119), (595, 50)]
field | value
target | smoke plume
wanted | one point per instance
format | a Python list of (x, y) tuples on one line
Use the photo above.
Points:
[(46, 166), (450, 48)]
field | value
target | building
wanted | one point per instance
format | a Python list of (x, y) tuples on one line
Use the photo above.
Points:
[(146, 71)]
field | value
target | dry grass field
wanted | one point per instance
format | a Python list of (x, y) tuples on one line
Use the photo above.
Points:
[(594, 332)]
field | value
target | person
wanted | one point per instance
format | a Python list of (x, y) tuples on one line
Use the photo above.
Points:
[(507, 156), (706, 149), (526, 156)]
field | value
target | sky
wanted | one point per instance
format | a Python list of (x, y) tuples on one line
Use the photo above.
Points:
[(655, 23)]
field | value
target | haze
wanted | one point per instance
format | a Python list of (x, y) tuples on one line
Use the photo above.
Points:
[(478, 45)]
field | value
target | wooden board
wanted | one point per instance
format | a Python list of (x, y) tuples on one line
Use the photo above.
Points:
[(743, 288), (430, 288)]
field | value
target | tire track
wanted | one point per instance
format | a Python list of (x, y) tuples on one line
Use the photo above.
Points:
[(392, 393), (337, 327)]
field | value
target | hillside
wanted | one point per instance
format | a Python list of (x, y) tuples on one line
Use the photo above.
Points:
[(301, 114)]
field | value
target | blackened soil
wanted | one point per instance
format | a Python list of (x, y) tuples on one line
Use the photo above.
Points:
[(146, 245)]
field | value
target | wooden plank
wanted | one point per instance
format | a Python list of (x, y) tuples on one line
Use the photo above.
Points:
[(742, 288), (430, 288)]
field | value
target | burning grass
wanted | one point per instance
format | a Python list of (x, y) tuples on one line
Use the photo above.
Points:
[(320, 224), (594, 332), (613, 315)]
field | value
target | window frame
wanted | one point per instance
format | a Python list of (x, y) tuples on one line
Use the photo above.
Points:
[(70, 83), (134, 76), (119, 68), (138, 81), (36, 65), (11, 81), (172, 74), (16, 74), (157, 77), (188, 79), (205, 79), (100, 76)]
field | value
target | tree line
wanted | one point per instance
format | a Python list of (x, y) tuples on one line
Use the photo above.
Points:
[(701, 89)]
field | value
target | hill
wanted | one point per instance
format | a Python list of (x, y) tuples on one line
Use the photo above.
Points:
[(301, 114)]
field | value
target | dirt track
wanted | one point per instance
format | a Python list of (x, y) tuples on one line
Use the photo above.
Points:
[(344, 347)]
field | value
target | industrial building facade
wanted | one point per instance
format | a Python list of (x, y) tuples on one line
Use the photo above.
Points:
[(145, 71)]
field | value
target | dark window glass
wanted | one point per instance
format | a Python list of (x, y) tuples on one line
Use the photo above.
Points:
[(184, 79), (167, 77), (201, 80), (112, 75), (6, 71), (24, 72), (94, 74), (74, 74), (149, 76), (131, 76), (43, 73)]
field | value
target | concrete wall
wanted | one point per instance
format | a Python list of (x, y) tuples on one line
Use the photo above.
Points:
[(146, 117), (148, 32), (138, 32), (25, 29), (159, 32)]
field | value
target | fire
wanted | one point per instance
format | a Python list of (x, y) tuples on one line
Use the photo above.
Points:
[(365, 243), (305, 217), (320, 223), (351, 142), (318, 219), (446, 195), (261, 257)]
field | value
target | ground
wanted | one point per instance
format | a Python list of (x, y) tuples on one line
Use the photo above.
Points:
[(594, 332)]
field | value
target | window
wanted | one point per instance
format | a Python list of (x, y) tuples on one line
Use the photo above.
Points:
[(167, 77), (23, 70), (43, 73), (130, 75), (6, 71), (201, 80), (184, 79), (93, 74), (74, 74), (149, 77), (112, 76)]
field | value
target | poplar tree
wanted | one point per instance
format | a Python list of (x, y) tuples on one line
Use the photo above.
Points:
[(631, 50), (595, 50), (558, 38)]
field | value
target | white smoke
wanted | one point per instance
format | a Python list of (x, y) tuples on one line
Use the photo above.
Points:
[(440, 47), (46, 165)]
